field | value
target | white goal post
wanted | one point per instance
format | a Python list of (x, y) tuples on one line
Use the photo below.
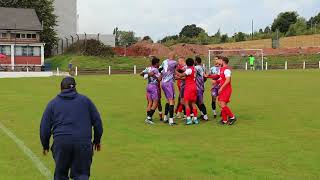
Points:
[(241, 52)]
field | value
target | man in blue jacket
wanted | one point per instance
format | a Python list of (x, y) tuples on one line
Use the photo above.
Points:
[(70, 118)]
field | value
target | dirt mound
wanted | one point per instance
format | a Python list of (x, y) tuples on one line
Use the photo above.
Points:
[(145, 48), (190, 50)]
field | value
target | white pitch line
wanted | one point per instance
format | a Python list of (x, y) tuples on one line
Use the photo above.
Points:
[(36, 161)]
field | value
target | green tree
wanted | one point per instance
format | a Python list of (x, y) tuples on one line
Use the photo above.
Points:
[(218, 34), (191, 31), (224, 38), (203, 38), (299, 28), (240, 36), (147, 38), (127, 38), (314, 22), (267, 30), (284, 21), (116, 34), (45, 12)]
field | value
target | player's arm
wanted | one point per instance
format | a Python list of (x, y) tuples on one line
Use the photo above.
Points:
[(213, 76), (144, 72), (96, 123), (45, 128), (186, 73), (157, 75)]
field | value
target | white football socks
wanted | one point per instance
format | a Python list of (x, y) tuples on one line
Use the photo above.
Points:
[(171, 121)]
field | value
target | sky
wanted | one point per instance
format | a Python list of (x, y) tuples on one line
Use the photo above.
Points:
[(160, 18)]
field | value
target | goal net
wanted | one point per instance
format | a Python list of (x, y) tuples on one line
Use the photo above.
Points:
[(238, 58)]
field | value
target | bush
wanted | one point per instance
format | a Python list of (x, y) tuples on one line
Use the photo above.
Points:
[(90, 47)]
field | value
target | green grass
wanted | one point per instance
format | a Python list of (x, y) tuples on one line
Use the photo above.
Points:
[(92, 62), (276, 137), (85, 62)]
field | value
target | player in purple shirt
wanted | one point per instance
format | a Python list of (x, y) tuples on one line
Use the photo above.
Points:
[(168, 78), (215, 70), (200, 80), (152, 74)]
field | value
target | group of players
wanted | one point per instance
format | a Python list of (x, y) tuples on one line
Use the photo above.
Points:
[(191, 77)]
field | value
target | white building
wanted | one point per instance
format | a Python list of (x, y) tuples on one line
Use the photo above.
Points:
[(68, 25), (66, 10)]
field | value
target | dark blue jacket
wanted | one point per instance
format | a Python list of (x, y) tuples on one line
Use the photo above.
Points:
[(70, 116)]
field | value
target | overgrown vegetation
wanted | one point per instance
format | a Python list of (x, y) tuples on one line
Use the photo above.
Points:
[(284, 25), (90, 47)]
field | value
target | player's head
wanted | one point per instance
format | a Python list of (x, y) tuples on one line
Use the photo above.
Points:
[(198, 60), (190, 62), (155, 61), (172, 56), (224, 60), (68, 83), (182, 61)]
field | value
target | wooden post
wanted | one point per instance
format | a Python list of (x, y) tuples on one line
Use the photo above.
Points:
[(246, 66), (76, 71), (134, 69), (304, 65), (109, 70)]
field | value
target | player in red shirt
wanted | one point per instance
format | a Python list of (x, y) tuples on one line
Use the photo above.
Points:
[(225, 92), (190, 93), (181, 85)]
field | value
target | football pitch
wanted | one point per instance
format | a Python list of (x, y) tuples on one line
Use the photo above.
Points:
[(276, 137)]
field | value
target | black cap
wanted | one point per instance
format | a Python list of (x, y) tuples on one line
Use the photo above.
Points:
[(68, 83)]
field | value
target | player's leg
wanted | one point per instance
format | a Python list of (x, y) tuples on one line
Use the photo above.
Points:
[(149, 118), (152, 111), (153, 98), (223, 112), (160, 110), (232, 118), (214, 94), (62, 155), (168, 90), (171, 96), (214, 106), (179, 107), (188, 112), (183, 108), (227, 114), (82, 159), (195, 112), (201, 105)]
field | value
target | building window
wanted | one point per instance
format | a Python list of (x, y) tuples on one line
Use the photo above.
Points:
[(18, 36), (36, 51), (34, 36), (3, 35), (18, 51), (23, 36), (6, 50), (29, 36), (28, 51)]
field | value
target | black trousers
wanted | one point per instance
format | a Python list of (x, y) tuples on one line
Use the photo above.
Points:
[(75, 157)]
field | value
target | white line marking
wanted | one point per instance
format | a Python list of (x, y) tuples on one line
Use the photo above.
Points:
[(41, 167)]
